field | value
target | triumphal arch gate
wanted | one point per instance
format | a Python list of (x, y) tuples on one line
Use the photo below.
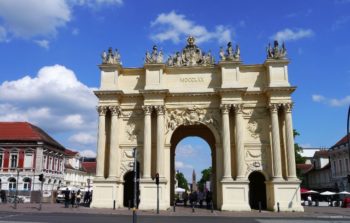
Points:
[(242, 111)]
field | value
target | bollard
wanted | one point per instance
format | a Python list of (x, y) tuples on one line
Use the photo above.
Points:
[(113, 204), (174, 206), (129, 204), (260, 206), (212, 206), (278, 206)]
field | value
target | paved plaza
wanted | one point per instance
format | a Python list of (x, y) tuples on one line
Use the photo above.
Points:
[(310, 212)]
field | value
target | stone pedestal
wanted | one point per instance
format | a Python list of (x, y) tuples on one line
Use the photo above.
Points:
[(148, 195), (286, 193), (235, 196), (105, 192)]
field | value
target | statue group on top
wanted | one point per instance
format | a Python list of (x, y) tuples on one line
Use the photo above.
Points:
[(231, 53), (276, 52), (111, 57), (191, 55), (155, 57)]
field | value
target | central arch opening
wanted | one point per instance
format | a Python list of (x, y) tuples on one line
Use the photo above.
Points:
[(192, 134)]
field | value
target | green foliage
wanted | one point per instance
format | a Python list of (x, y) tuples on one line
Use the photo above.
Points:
[(182, 182), (206, 174), (298, 150)]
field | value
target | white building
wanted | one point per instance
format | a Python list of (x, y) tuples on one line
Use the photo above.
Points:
[(339, 159), (25, 152)]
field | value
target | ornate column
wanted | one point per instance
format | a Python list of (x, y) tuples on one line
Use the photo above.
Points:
[(101, 145), (147, 142), (290, 140), (114, 146), (226, 143), (239, 141), (160, 140), (276, 145)]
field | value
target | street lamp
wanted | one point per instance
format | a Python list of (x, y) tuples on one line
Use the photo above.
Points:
[(348, 139), (16, 195)]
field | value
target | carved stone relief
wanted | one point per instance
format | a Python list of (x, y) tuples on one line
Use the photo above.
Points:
[(131, 131), (254, 129), (189, 116), (127, 161)]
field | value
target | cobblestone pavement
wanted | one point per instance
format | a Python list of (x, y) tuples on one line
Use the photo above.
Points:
[(310, 212)]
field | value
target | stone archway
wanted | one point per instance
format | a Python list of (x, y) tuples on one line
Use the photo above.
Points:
[(199, 130), (257, 190)]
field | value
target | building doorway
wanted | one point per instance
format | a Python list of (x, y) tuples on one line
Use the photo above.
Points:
[(205, 134), (257, 190), (129, 188)]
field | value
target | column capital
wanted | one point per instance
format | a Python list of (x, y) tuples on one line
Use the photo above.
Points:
[(102, 109), (225, 108), (160, 109), (274, 107), (115, 110), (147, 109), (238, 108), (288, 107)]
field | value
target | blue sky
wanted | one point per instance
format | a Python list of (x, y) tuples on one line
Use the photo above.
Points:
[(59, 42)]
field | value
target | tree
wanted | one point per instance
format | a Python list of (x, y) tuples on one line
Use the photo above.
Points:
[(181, 180), (298, 150), (206, 175)]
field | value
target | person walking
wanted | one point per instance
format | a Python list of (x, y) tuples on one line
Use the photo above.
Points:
[(66, 198), (78, 198), (185, 198), (208, 199), (200, 198), (72, 199)]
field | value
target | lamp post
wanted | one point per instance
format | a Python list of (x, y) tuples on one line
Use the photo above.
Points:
[(134, 216), (348, 139), (16, 195)]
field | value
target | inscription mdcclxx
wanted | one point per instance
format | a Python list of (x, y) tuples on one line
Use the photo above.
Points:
[(191, 79)]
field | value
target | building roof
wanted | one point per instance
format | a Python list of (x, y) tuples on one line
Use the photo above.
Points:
[(303, 167), (69, 152), (24, 131), (89, 167), (344, 140), (322, 153)]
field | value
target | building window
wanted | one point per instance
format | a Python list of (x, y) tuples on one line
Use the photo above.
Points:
[(1, 159), (13, 161), (340, 167), (12, 183), (50, 164), (26, 184), (335, 167), (28, 160), (347, 165)]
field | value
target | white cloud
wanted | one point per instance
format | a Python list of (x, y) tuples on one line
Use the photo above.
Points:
[(30, 18), (333, 102), (54, 100), (182, 165), (83, 138), (176, 27), (290, 35), (87, 153), (43, 43), (3, 34), (340, 22), (185, 150)]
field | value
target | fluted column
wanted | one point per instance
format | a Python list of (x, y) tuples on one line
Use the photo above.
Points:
[(239, 141), (147, 142), (101, 145), (290, 140), (226, 143), (160, 140), (276, 145), (114, 149)]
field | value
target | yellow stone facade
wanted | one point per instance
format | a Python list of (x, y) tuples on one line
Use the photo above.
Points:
[(242, 111)]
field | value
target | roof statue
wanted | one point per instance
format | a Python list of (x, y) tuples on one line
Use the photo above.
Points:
[(155, 57), (191, 55), (231, 54), (276, 52), (111, 57)]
